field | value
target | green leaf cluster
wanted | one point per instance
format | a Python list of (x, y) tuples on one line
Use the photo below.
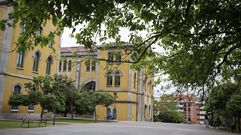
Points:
[(200, 40), (224, 104), (165, 110)]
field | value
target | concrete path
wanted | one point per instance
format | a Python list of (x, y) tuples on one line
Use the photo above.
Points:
[(119, 128)]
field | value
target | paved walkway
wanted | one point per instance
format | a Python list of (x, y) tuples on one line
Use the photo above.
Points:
[(120, 128)]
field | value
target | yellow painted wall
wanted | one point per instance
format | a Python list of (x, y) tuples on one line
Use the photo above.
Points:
[(122, 96), (9, 84), (28, 60), (19, 75), (123, 68), (71, 74), (133, 115), (86, 76)]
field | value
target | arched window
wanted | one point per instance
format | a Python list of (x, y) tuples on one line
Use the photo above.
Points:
[(108, 112), (114, 113), (69, 65), (109, 79), (65, 65), (110, 58), (118, 57), (117, 78), (93, 65), (16, 90), (51, 35), (87, 64), (90, 86), (20, 59), (36, 61), (48, 65), (134, 80)]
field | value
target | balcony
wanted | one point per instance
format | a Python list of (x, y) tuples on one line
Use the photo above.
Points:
[(202, 112)]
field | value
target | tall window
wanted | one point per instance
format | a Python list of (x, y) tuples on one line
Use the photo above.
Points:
[(87, 64), (90, 65), (114, 113), (69, 65), (36, 61), (108, 111), (60, 65), (117, 78), (93, 65), (110, 58), (118, 57), (51, 39), (109, 79), (134, 80), (65, 65), (16, 90), (40, 31), (24, 28), (48, 66), (20, 59)]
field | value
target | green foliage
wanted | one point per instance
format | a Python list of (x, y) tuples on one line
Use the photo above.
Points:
[(234, 104), (56, 103), (224, 103), (85, 103), (165, 110), (199, 39), (105, 99), (170, 116), (16, 100)]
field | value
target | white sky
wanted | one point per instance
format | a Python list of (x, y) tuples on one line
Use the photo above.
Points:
[(68, 41)]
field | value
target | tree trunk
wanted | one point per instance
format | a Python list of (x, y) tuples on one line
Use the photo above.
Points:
[(95, 114), (54, 118), (42, 113), (238, 124), (72, 112), (65, 114), (106, 113)]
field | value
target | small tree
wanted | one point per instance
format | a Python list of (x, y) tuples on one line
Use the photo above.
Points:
[(84, 103), (105, 99), (43, 90)]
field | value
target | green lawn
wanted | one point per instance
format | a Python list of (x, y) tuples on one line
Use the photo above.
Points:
[(9, 124), (16, 124)]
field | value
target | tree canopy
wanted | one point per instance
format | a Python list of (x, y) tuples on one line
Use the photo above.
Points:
[(224, 105), (165, 110), (200, 39)]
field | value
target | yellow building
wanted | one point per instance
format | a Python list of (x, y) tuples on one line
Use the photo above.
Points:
[(132, 88), (18, 68)]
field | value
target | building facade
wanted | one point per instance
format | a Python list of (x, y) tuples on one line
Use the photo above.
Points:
[(101, 71), (18, 68), (192, 108)]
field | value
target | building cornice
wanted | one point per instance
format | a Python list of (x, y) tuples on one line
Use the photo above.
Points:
[(16, 75), (125, 91)]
